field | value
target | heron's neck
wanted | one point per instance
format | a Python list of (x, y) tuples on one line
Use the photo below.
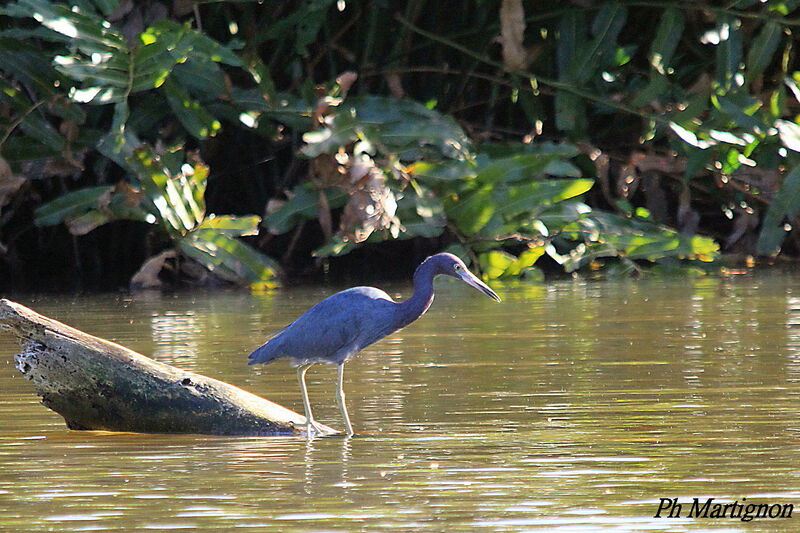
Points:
[(419, 302)]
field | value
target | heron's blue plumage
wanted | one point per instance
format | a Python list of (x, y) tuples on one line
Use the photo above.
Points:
[(341, 325), (333, 329)]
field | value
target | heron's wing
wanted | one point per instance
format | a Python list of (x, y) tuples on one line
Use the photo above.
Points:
[(333, 329)]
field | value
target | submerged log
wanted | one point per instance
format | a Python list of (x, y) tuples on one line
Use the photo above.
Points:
[(97, 384)]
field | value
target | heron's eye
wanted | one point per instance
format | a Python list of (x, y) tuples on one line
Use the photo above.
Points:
[(456, 267)]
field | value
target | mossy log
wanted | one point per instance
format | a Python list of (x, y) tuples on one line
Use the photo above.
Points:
[(99, 385)]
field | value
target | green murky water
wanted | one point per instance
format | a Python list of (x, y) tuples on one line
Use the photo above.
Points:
[(570, 406)]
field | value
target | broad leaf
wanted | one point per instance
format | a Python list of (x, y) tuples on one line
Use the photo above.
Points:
[(232, 225), (173, 199), (303, 205), (392, 126), (785, 205), (228, 257), (762, 49), (70, 204)]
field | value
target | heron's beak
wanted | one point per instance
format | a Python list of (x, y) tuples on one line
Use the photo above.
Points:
[(471, 279)]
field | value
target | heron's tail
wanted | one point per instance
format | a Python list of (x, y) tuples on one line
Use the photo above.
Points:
[(269, 350), (263, 354)]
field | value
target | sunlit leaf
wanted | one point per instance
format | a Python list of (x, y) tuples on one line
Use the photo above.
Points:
[(86, 32), (534, 196), (171, 203), (690, 137), (228, 257), (194, 117), (472, 211), (83, 224), (741, 109), (184, 40), (525, 166), (667, 38), (494, 264), (524, 261), (232, 225), (334, 248), (610, 235), (390, 124), (789, 133), (442, 171), (728, 49)]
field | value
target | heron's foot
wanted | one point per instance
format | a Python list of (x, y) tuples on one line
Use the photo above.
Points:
[(312, 427)]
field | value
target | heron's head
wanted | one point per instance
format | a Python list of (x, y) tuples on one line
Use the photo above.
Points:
[(450, 265)]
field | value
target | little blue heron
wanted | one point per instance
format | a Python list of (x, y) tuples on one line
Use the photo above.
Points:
[(339, 326)]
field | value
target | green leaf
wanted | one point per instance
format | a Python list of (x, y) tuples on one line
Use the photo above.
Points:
[(785, 204), (303, 205), (390, 125), (184, 41), (525, 260), (453, 170), (667, 38), (472, 211), (172, 201), (524, 167), (228, 257), (22, 148), (87, 32), (762, 50), (152, 64), (83, 224), (553, 218), (31, 119), (655, 89), (606, 27), (741, 108), (43, 131), (505, 150), (232, 225), (537, 195), (106, 7), (493, 264), (300, 27), (334, 248), (96, 74), (570, 114), (421, 215), (729, 49), (201, 77), (195, 118), (585, 253), (419, 228), (29, 65), (571, 28), (71, 204), (637, 238), (429, 208)]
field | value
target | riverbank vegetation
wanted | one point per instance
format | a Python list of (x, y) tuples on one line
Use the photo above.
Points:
[(243, 142)]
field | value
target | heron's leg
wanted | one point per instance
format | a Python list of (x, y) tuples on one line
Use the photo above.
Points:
[(340, 400), (301, 378)]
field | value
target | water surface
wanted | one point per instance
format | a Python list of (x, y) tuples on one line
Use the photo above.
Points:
[(571, 406)]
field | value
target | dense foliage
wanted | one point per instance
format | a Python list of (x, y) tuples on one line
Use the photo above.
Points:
[(512, 134)]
